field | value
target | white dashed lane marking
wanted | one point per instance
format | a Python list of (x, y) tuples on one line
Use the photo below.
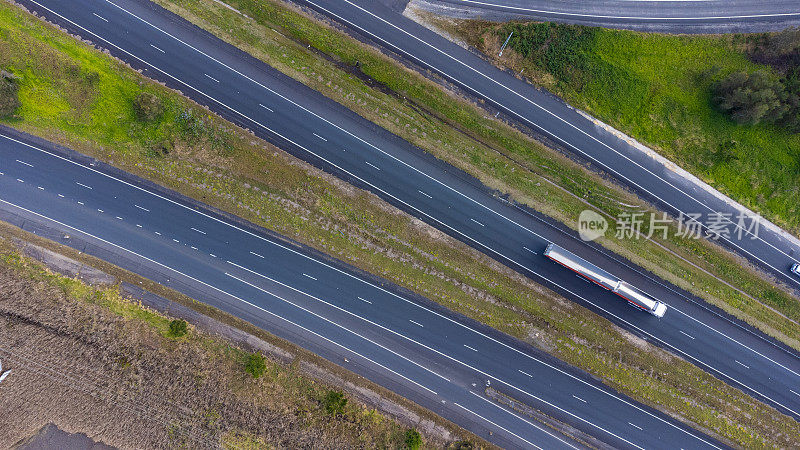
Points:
[(742, 364), (83, 185), (100, 17), (24, 163), (162, 51)]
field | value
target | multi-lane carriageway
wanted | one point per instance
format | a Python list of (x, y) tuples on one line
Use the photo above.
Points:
[(432, 357), (326, 134)]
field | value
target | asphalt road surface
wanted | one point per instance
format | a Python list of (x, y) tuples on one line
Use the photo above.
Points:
[(717, 16), (770, 248), (432, 357), (324, 133)]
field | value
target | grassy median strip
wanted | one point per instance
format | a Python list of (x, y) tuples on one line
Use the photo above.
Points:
[(196, 153), (456, 131)]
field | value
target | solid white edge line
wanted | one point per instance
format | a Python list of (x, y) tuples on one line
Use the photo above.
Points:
[(537, 126), (386, 193), (253, 272), (365, 142), (409, 301), (221, 291), (522, 419), (637, 18), (308, 311)]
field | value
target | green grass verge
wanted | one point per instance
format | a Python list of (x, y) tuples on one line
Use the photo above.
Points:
[(224, 166), (657, 88), (502, 158)]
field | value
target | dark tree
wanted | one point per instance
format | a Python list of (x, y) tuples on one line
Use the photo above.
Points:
[(9, 99), (148, 107), (178, 328), (752, 98)]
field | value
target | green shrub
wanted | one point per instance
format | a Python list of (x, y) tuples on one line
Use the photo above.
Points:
[(752, 98), (413, 439), (148, 107), (334, 402), (9, 100), (178, 328), (256, 365)]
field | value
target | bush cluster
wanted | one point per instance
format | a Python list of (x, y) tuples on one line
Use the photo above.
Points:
[(334, 402), (9, 98), (148, 107), (178, 328), (774, 100), (256, 365), (413, 439), (753, 98)]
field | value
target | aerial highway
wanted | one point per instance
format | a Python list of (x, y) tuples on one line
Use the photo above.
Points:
[(732, 16), (326, 134), (436, 358), (771, 248)]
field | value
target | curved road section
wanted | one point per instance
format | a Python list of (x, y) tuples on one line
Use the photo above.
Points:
[(431, 357), (328, 135), (698, 16)]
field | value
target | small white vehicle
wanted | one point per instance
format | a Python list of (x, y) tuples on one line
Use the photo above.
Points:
[(795, 269)]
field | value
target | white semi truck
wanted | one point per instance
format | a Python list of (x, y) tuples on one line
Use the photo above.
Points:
[(608, 281)]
